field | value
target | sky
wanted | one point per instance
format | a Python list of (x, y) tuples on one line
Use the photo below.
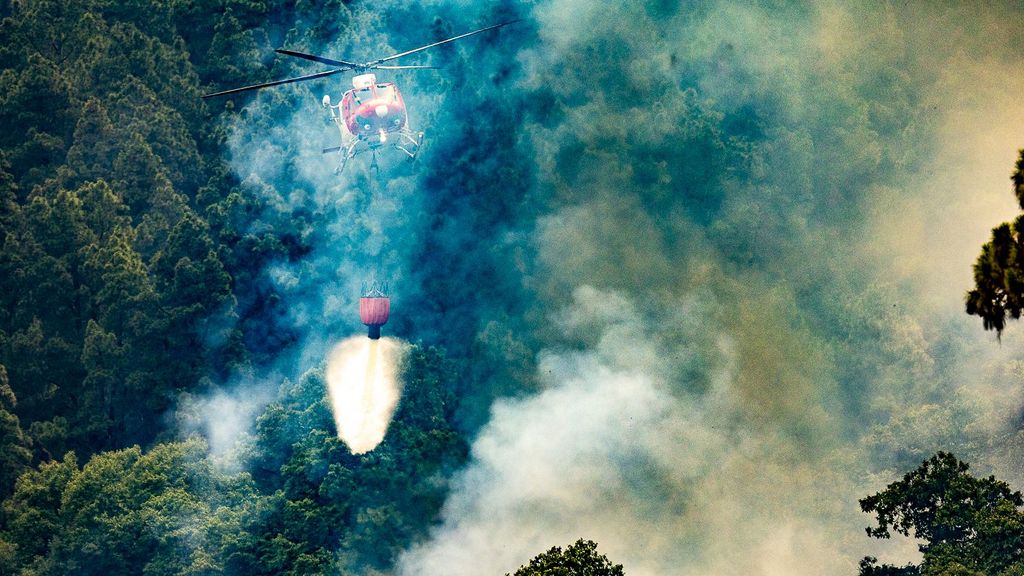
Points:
[(707, 259)]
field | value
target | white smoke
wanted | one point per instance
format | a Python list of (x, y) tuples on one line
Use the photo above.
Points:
[(666, 483), (224, 418), (362, 379)]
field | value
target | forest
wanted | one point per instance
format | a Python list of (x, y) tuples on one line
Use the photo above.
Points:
[(574, 291)]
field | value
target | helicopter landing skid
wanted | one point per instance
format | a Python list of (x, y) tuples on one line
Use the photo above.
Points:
[(348, 151), (408, 142), (413, 140)]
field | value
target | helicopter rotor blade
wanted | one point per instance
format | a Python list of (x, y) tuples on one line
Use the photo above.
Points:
[(315, 58), (411, 67), (277, 82), (376, 63)]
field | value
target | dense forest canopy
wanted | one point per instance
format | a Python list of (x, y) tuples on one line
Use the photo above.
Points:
[(669, 272)]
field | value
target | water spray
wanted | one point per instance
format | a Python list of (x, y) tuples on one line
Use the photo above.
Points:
[(362, 378)]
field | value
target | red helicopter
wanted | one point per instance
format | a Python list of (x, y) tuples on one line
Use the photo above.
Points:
[(371, 115)]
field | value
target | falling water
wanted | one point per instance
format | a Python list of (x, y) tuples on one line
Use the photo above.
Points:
[(362, 378)]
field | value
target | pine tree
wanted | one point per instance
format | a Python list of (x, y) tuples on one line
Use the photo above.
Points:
[(999, 270)]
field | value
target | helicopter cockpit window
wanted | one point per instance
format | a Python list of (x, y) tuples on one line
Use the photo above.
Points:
[(362, 95), (386, 91)]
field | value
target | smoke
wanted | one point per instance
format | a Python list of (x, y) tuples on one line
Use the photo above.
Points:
[(362, 379), (667, 482), (224, 417), (766, 218)]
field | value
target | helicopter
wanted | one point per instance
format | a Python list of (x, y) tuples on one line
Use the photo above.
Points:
[(371, 115)]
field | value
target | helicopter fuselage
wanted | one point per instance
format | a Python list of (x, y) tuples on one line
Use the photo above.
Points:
[(372, 115), (374, 111)]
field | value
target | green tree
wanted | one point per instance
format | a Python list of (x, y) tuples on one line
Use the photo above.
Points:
[(93, 147), (969, 525), (999, 271), (35, 111), (579, 559), (103, 386), (32, 515), (168, 511), (120, 282), (15, 455), (40, 364), (869, 567), (103, 208)]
